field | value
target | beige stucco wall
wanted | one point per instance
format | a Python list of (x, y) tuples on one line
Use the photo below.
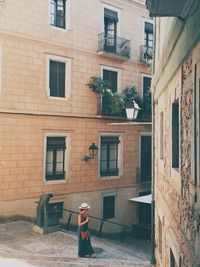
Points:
[(28, 114)]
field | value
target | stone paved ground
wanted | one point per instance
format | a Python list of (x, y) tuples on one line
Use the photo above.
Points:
[(20, 246)]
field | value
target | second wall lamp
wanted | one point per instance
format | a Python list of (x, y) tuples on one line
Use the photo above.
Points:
[(93, 149)]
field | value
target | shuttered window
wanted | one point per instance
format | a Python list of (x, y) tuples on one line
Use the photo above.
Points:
[(109, 156), (146, 85), (55, 158), (148, 34), (175, 134), (57, 79), (111, 77), (145, 159), (57, 13), (108, 207)]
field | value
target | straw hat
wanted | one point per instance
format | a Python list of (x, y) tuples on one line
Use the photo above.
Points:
[(84, 206)]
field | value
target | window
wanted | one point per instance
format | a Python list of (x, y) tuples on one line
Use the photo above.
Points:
[(146, 85), (59, 77), (109, 207), (160, 237), (58, 13), (55, 158), (111, 77), (161, 135), (110, 30), (172, 260), (109, 156), (148, 34), (175, 134), (145, 158)]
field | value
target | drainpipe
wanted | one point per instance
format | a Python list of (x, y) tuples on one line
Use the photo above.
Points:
[(153, 258)]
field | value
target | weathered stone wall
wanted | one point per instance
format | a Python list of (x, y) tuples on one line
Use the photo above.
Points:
[(174, 189)]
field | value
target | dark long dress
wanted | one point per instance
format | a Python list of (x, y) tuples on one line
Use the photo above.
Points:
[(84, 246)]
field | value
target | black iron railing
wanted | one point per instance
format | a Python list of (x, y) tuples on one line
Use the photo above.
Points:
[(102, 221), (114, 45), (146, 54)]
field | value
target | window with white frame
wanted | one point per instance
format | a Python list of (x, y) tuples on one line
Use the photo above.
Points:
[(58, 13), (113, 77), (55, 158), (109, 202), (109, 156), (59, 77)]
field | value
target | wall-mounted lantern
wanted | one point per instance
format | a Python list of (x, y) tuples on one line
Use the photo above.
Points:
[(132, 110), (93, 149)]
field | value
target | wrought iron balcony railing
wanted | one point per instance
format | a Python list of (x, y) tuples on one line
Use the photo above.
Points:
[(114, 45), (146, 54)]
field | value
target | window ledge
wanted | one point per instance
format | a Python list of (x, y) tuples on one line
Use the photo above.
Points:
[(63, 181), (109, 178), (59, 98), (59, 28)]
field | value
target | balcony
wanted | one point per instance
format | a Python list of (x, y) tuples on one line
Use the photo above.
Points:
[(146, 54), (113, 46)]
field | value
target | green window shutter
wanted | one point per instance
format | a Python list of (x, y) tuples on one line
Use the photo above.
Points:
[(57, 79), (108, 207), (61, 79), (175, 134), (111, 77), (53, 78)]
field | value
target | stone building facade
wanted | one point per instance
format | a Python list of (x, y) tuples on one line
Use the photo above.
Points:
[(175, 88), (45, 134)]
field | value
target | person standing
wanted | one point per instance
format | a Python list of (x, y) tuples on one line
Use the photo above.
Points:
[(84, 244)]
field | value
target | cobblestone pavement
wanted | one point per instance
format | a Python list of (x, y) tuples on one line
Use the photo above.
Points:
[(21, 247)]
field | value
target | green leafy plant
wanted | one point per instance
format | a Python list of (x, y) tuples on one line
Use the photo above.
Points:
[(99, 86), (114, 104)]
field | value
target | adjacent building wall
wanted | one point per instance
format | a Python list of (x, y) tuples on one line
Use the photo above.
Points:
[(177, 189)]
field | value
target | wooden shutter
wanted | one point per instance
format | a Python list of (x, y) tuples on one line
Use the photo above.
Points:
[(146, 85), (61, 79), (175, 134), (53, 78), (111, 77), (145, 160), (57, 79), (109, 207)]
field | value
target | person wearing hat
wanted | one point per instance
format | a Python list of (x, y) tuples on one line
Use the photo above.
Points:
[(84, 244)]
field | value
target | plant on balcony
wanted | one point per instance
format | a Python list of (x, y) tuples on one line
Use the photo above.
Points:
[(99, 86), (114, 104)]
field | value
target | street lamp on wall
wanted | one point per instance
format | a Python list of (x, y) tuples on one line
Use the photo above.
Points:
[(132, 111), (93, 149)]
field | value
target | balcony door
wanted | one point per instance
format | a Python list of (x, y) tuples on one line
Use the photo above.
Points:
[(110, 30)]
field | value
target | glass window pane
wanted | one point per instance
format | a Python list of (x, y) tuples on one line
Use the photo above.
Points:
[(49, 162), (103, 165), (113, 165), (49, 156)]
